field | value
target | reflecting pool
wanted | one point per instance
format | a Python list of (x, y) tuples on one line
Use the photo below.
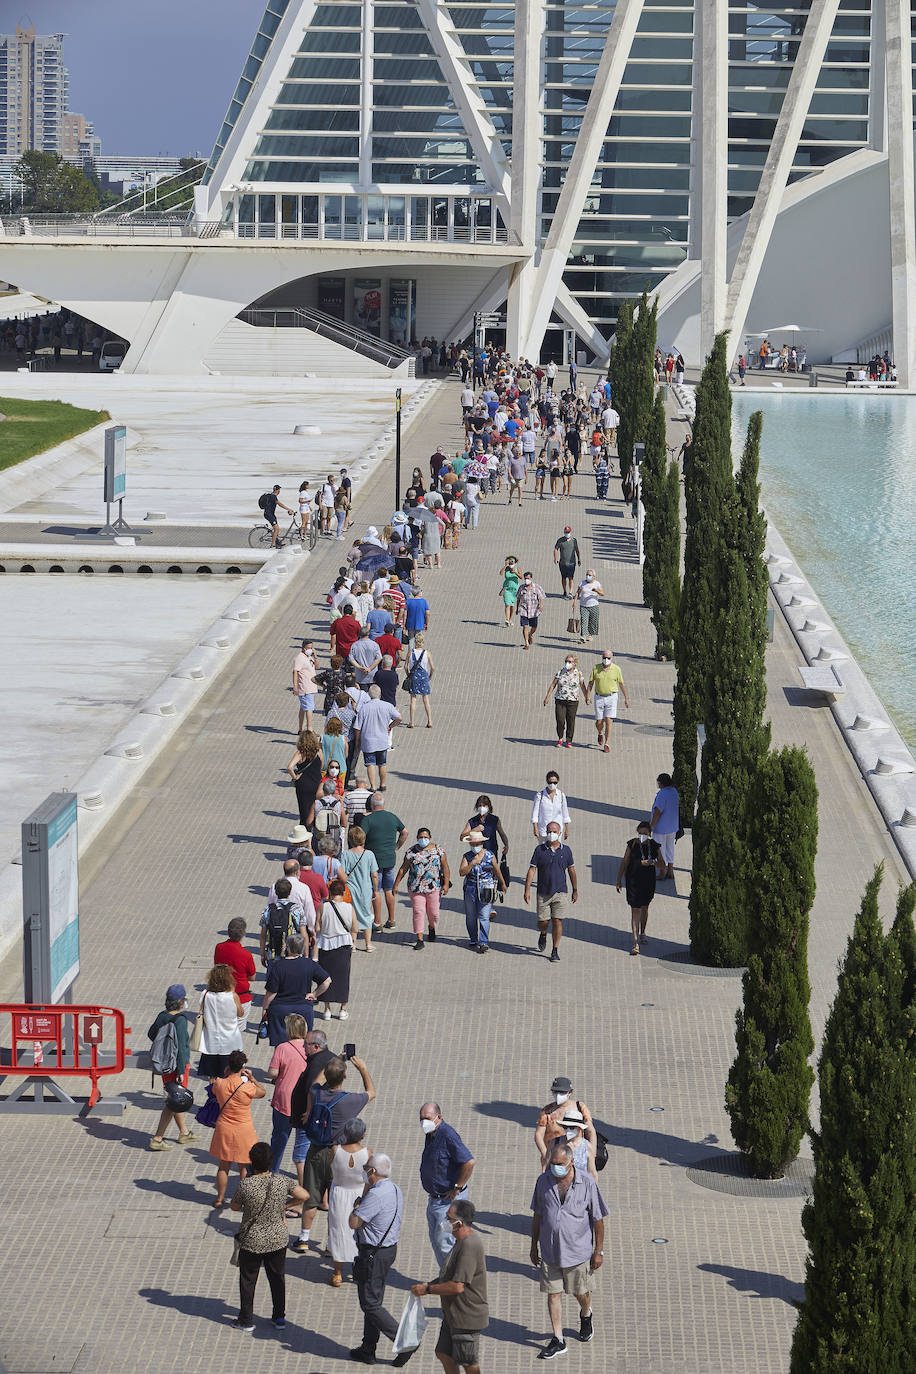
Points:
[(839, 481)]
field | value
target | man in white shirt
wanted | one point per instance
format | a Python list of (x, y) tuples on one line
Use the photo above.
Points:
[(594, 402), (609, 422), (529, 447), (300, 893), (550, 805), (467, 402), (374, 719), (551, 375), (364, 657), (326, 502)]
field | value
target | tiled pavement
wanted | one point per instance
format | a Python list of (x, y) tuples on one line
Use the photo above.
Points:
[(111, 1260)]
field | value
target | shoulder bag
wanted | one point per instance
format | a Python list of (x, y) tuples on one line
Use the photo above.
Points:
[(209, 1113), (237, 1238), (345, 929), (197, 1034)]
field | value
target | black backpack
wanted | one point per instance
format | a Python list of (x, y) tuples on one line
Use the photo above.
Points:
[(263, 500), (279, 925)]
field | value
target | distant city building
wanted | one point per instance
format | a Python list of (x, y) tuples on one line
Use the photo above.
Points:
[(122, 173), (10, 185), (35, 99)]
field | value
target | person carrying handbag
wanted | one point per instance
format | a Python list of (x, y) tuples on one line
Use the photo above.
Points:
[(335, 931), (262, 1237)]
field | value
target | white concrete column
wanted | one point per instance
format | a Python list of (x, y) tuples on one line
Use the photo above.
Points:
[(712, 40), (877, 91), (524, 222), (365, 97), (900, 173)]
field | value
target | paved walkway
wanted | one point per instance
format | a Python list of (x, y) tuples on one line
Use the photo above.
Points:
[(112, 1250)]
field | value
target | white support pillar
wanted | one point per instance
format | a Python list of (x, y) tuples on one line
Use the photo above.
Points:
[(365, 97), (776, 169), (712, 20), (524, 220), (877, 91), (900, 172), (602, 99)]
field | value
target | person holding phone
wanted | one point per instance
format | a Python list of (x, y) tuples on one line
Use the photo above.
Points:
[(234, 1133), (642, 862)]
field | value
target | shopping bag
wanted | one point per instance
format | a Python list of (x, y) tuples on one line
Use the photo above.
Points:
[(411, 1326), (573, 625)]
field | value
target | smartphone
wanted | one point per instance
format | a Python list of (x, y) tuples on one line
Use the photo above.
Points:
[(349, 1051)]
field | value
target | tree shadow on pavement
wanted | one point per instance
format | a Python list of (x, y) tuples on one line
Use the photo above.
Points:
[(758, 1282), (670, 1149)]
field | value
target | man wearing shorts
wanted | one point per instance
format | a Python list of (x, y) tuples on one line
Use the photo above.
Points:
[(607, 681), (567, 1238), (529, 601), (304, 686), (374, 720), (551, 862), (462, 1287), (385, 834), (517, 468), (316, 1159), (566, 555), (271, 502), (666, 819)]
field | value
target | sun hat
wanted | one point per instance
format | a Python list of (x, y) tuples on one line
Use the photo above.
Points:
[(572, 1117), (297, 835), (476, 837)]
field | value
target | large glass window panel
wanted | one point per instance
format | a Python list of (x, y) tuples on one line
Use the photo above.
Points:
[(324, 69), (353, 217), (397, 217), (375, 217), (306, 145), (333, 217), (419, 217)]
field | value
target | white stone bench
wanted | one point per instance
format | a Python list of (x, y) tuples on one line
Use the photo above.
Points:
[(869, 386), (825, 680)]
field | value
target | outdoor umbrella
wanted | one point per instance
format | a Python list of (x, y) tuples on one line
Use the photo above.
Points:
[(475, 469), (370, 564), (422, 516), (786, 329)]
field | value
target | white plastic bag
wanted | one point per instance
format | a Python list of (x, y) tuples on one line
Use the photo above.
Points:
[(411, 1326)]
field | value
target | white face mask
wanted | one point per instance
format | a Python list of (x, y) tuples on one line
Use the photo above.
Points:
[(571, 1132), (483, 811), (606, 662), (427, 1127), (589, 577), (569, 664), (551, 787), (527, 581), (561, 1097)]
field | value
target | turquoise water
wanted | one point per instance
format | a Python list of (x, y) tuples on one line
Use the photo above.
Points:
[(839, 481)]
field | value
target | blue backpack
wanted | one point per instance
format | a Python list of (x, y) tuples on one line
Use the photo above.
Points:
[(319, 1126)]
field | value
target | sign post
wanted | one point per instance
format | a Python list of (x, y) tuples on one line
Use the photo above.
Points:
[(397, 449), (50, 899), (115, 482)]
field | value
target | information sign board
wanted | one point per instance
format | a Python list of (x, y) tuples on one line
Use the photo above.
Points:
[(50, 899), (115, 463)]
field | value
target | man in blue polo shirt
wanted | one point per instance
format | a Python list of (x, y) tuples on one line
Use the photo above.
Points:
[(551, 861), (417, 614), (445, 1168)]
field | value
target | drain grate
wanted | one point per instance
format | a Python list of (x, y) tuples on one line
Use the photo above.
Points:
[(728, 1174), (655, 729)]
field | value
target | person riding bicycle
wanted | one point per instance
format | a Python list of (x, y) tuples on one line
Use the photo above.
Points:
[(269, 503)]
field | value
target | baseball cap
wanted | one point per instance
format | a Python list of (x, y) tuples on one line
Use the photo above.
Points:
[(176, 993), (561, 1085)]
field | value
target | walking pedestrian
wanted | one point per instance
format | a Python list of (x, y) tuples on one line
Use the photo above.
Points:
[(261, 1198), (567, 557), (550, 862), (587, 594), (530, 600), (290, 980), (666, 819), (234, 1132), (173, 1017), (326, 1091), (567, 1240), (566, 685), (606, 680), (361, 868), (376, 1219), (549, 1120), (642, 861), (462, 1288), (231, 951), (482, 880), (602, 475), (510, 585), (385, 834), (550, 805), (428, 880), (348, 1160), (484, 819), (371, 733), (445, 1169)]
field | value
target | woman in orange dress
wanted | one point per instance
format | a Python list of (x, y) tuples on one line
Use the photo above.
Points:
[(234, 1133)]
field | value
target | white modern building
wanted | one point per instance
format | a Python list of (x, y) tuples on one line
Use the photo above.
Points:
[(401, 164)]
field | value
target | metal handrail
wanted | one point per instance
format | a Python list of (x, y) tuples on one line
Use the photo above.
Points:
[(297, 317)]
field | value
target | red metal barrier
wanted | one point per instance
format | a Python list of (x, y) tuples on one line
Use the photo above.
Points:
[(72, 1054)]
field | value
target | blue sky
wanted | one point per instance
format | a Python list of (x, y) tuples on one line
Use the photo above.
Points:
[(155, 76)]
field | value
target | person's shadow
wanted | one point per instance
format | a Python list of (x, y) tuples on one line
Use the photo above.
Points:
[(296, 1338), (758, 1283)]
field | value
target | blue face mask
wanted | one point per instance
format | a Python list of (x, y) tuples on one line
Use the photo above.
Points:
[(559, 1170), (423, 841)]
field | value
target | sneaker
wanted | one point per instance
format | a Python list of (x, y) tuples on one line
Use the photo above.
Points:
[(243, 1326), (400, 1360), (327, 1014), (483, 949), (586, 1330), (158, 1145), (188, 1137), (362, 1355), (279, 1324), (418, 945), (432, 933), (343, 1014), (555, 956), (552, 1349), (542, 941)]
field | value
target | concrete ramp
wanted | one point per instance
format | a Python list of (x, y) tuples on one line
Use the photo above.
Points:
[(245, 350)]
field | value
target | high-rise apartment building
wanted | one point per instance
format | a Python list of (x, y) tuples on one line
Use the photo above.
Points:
[(35, 98)]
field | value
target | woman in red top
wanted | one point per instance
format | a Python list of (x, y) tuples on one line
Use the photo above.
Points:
[(232, 952)]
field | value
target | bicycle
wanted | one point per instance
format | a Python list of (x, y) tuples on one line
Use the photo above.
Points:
[(260, 537)]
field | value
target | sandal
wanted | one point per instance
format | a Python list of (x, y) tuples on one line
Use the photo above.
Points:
[(290, 1214), (635, 949), (336, 1280)]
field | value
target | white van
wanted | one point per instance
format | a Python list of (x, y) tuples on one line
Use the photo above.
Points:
[(112, 355)]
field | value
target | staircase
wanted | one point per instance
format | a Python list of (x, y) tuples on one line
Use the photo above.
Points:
[(292, 341)]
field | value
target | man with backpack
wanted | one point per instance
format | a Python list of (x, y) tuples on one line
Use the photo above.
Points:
[(268, 504), (330, 1108), (279, 919), (170, 1055)]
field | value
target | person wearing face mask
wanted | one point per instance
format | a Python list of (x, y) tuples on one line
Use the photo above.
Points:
[(428, 880), (482, 880), (642, 861), (567, 1240), (550, 805), (445, 1168), (510, 586), (462, 1287), (581, 1138), (567, 683), (606, 681), (485, 820), (530, 600), (376, 1219), (551, 861), (587, 594), (548, 1126)]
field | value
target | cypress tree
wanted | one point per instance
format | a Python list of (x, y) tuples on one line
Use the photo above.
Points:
[(618, 364), (708, 479), (736, 741), (668, 588), (652, 474), (858, 1312), (640, 383), (769, 1084)]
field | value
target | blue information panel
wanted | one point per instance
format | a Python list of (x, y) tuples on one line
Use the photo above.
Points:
[(50, 899), (115, 463)]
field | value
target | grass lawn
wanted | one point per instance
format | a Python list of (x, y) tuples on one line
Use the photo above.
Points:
[(32, 427)]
